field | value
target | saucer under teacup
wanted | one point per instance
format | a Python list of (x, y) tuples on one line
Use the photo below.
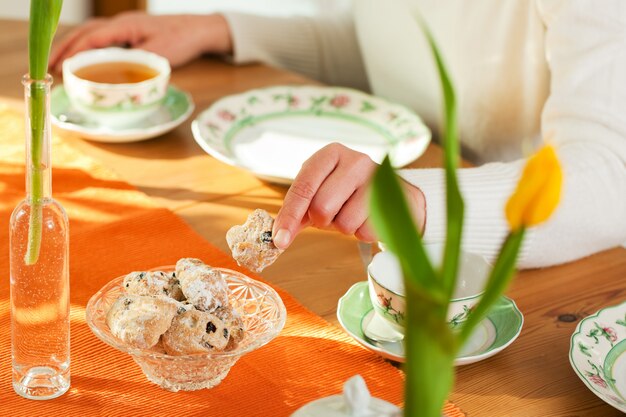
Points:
[(119, 86), (175, 108), (497, 331)]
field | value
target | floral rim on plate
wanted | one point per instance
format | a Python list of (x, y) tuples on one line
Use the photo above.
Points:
[(598, 354), (237, 121)]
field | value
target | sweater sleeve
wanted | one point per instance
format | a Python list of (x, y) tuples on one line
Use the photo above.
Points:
[(324, 47), (584, 117)]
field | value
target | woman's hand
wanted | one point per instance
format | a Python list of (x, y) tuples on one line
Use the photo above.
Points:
[(331, 191), (179, 38)]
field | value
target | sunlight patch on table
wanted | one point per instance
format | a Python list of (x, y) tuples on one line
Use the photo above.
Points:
[(102, 205), (300, 324), (77, 313)]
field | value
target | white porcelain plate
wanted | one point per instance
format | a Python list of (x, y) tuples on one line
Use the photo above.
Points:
[(271, 132), (175, 109), (598, 354), (501, 327)]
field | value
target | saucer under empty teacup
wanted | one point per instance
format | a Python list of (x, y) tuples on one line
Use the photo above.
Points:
[(386, 289), (495, 333), (116, 86)]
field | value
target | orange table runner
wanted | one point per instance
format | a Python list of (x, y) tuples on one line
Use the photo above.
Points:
[(116, 229)]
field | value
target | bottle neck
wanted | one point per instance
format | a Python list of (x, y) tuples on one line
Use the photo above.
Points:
[(38, 138)]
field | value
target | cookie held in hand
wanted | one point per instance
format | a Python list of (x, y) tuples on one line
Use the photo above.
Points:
[(251, 243)]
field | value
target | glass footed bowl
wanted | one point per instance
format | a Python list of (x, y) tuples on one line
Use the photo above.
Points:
[(261, 309)]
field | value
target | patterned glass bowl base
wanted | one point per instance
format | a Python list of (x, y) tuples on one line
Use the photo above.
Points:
[(261, 309), (182, 376), (598, 354)]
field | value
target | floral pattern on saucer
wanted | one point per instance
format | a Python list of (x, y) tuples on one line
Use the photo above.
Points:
[(459, 318), (175, 108), (598, 354)]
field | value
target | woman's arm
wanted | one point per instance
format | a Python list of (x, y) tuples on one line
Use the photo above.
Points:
[(179, 38), (585, 118), (323, 47)]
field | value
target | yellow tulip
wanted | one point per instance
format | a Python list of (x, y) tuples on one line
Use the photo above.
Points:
[(538, 191)]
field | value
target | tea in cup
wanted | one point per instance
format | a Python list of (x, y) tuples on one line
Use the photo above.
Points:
[(116, 86), (386, 286)]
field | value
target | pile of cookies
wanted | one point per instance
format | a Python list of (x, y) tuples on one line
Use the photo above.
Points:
[(183, 312)]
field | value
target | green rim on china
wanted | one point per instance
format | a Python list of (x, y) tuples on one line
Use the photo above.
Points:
[(175, 101), (124, 106), (174, 109), (272, 131), (598, 354), (505, 321), (252, 120)]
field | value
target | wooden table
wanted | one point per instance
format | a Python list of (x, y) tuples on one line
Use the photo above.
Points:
[(531, 378)]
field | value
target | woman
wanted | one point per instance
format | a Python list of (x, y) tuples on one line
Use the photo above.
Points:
[(523, 70)]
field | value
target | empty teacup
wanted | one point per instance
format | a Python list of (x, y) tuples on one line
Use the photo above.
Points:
[(386, 286), (116, 86)]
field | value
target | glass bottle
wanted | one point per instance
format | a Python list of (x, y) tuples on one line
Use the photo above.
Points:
[(39, 265)]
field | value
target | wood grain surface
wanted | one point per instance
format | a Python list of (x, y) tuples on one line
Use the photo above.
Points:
[(531, 378)]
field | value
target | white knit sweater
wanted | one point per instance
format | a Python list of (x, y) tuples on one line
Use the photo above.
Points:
[(523, 69)]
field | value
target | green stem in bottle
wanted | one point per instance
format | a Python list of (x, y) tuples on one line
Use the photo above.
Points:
[(44, 18), (37, 110)]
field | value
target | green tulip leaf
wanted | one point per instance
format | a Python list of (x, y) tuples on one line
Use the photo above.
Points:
[(44, 18)]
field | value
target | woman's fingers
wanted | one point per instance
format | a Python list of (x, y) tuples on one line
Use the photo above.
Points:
[(126, 28), (329, 191), (179, 38), (331, 196), (98, 37), (102, 36), (351, 174), (353, 213), (59, 51), (366, 233), (302, 191)]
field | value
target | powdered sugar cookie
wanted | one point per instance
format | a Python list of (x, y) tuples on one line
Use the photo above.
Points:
[(173, 289), (140, 320), (195, 331), (202, 285), (233, 322), (146, 283), (251, 243)]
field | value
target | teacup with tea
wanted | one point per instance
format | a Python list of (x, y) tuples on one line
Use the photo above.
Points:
[(386, 287), (116, 86)]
